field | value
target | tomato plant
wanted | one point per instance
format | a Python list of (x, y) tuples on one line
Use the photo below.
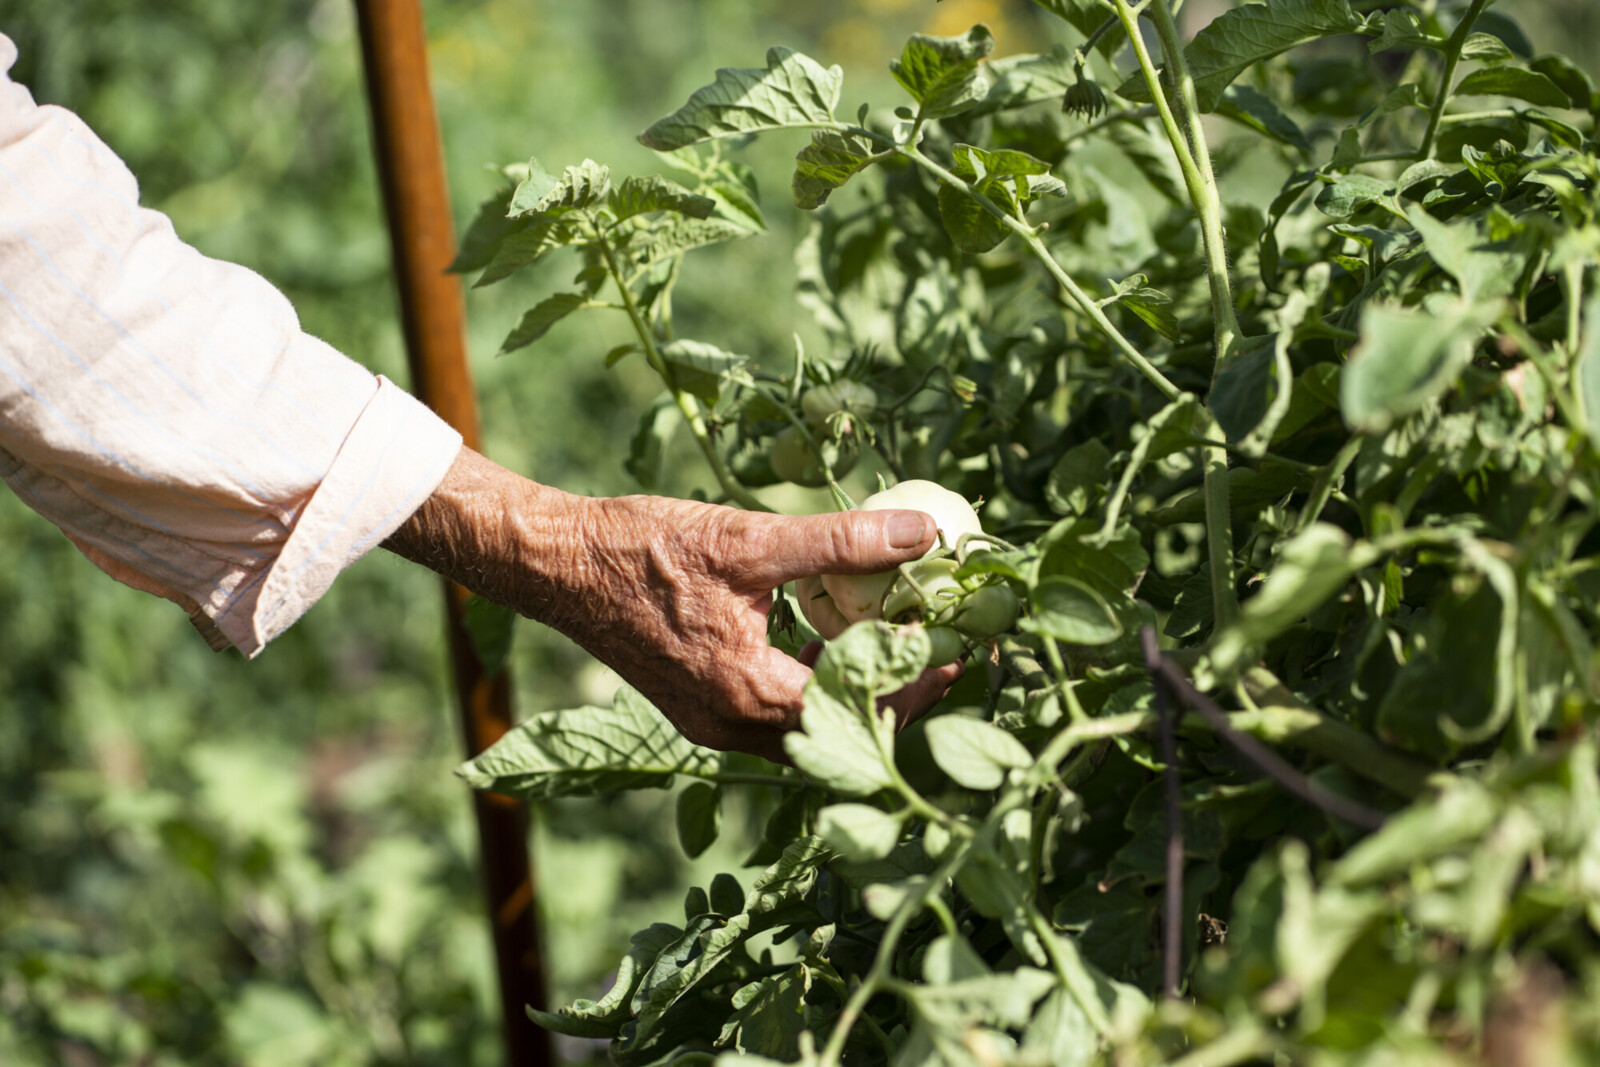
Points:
[(1284, 421)]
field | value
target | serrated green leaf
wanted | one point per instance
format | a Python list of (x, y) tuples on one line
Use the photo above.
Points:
[(485, 233), (1009, 179), (769, 1016), (1402, 29), (672, 235), (578, 187), (871, 660), (1152, 306), (1405, 359), (1073, 611), (1246, 35), (1003, 1000), (699, 817), (858, 832), (702, 369), (792, 90), (604, 1017), (835, 746), (1061, 1033), (523, 246), (974, 753), (1078, 478), (777, 896), (1515, 82), (822, 166), (970, 225), (636, 196), (1345, 194), (490, 627), (588, 751), (1571, 78), (537, 320), (944, 74)]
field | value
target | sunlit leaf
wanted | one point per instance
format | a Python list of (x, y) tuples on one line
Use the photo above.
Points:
[(792, 90)]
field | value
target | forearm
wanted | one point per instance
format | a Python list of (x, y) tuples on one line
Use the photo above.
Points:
[(504, 537)]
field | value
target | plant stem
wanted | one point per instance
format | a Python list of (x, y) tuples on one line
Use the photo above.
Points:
[(1064, 682), (878, 973), (1452, 56), (1194, 159), (1219, 527), (1326, 482), (687, 404), (1075, 294), (1132, 114), (883, 737)]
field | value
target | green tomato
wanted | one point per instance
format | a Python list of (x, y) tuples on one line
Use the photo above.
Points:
[(934, 598), (794, 461), (818, 608), (988, 612), (860, 596), (847, 396), (947, 646)]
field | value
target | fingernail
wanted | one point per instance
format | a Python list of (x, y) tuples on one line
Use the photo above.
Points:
[(905, 529)]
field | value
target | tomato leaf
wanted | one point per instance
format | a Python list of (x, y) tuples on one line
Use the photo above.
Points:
[(1073, 611), (537, 320), (1248, 34), (792, 90), (830, 160), (943, 74), (588, 751), (1526, 85), (974, 753), (699, 817), (1406, 359), (858, 832)]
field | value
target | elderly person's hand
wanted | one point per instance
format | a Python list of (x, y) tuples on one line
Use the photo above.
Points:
[(672, 594)]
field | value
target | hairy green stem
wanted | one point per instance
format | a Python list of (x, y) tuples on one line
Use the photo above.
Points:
[(1194, 160), (1452, 57), (687, 404)]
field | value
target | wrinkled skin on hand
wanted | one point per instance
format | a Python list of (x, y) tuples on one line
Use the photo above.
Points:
[(671, 594)]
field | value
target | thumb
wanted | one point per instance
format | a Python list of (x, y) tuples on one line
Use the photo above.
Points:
[(844, 542)]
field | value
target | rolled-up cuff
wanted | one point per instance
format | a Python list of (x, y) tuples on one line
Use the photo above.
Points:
[(396, 455)]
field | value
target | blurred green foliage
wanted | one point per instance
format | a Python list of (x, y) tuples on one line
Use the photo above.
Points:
[(208, 861)]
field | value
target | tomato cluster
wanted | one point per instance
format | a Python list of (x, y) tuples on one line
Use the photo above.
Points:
[(930, 591)]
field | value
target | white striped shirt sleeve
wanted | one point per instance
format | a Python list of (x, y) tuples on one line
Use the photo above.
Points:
[(166, 411)]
